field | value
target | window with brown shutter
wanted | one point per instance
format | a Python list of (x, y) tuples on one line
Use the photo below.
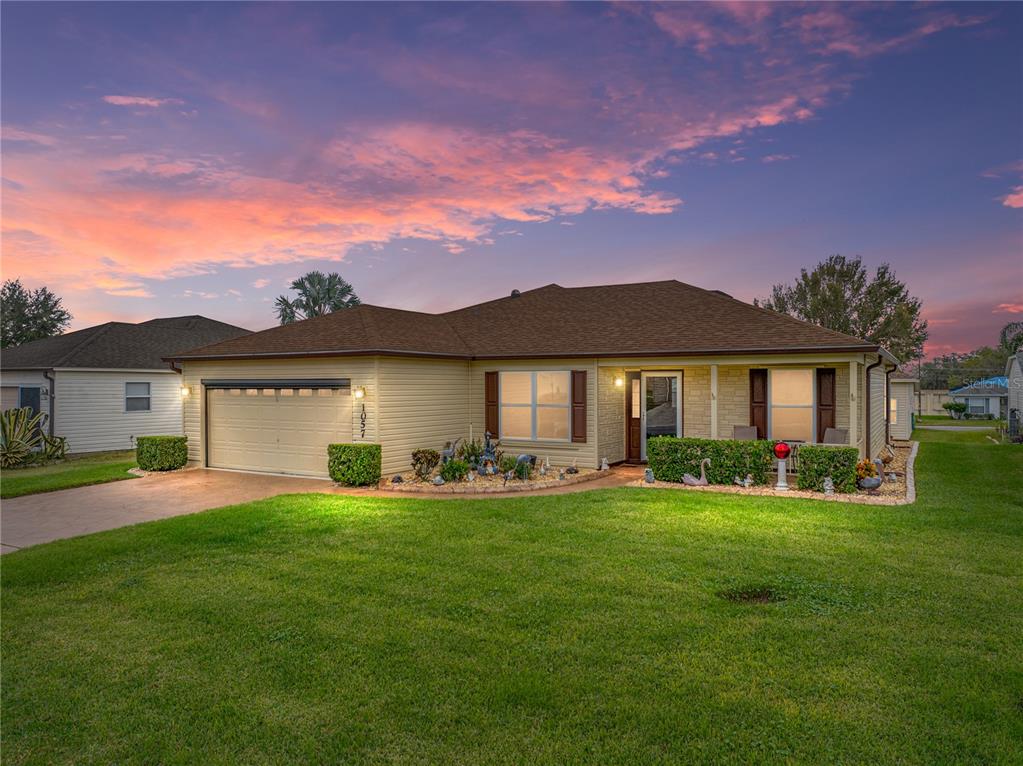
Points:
[(758, 401), (491, 403), (579, 405), (825, 400)]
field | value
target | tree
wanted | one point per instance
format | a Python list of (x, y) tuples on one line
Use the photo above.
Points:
[(1011, 338), (954, 370), (29, 315), (318, 294), (839, 294)]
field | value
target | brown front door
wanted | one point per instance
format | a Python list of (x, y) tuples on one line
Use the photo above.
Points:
[(633, 417)]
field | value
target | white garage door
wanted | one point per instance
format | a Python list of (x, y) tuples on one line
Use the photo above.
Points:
[(277, 430)]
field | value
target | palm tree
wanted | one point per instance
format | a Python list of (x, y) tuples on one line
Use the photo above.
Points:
[(318, 294)]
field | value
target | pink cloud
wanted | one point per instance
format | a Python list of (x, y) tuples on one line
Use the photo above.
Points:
[(1014, 198), (259, 284), (777, 158), (1008, 308), (141, 101)]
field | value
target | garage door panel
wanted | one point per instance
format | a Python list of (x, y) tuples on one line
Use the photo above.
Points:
[(278, 431)]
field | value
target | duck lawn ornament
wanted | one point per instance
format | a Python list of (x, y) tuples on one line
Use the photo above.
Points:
[(574, 468), (745, 483), (648, 476), (691, 481)]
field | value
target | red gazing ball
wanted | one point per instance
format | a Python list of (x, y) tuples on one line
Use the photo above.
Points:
[(782, 450)]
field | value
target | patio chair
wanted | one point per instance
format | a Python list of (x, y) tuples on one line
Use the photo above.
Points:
[(744, 433), (836, 436)]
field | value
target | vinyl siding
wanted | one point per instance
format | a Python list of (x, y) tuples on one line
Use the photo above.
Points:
[(361, 370), (560, 453), (902, 393), (30, 378), (91, 408), (1016, 387), (423, 404), (877, 411)]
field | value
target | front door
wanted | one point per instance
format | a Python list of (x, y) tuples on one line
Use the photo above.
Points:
[(661, 410)]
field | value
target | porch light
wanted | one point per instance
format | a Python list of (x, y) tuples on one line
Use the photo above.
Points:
[(185, 391), (619, 382), (359, 392)]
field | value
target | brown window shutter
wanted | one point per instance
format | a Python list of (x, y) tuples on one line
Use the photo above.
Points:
[(758, 401), (491, 404), (825, 400), (579, 405)]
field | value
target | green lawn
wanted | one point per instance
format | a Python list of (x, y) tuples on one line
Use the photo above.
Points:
[(554, 630), (74, 472), (954, 437), (945, 420)]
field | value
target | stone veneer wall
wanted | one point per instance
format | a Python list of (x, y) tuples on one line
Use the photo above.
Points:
[(610, 415), (696, 402)]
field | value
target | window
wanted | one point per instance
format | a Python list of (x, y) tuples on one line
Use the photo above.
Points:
[(136, 397), (977, 406), (791, 405), (535, 405), (893, 411)]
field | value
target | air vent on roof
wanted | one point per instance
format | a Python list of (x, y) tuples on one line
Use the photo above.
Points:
[(515, 293)]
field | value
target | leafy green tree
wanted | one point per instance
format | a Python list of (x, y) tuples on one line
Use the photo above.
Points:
[(1011, 338), (839, 294), (954, 370), (27, 315), (318, 294)]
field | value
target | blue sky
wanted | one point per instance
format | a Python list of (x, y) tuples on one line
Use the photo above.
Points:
[(168, 158)]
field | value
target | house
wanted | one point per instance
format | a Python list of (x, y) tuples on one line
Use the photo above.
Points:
[(984, 398), (573, 374), (902, 395), (107, 384), (1014, 392)]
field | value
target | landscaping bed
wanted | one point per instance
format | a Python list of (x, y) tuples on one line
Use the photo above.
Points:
[(898, 491), (482, 485)]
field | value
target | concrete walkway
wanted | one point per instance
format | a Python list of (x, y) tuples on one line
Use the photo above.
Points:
[(35, 519)]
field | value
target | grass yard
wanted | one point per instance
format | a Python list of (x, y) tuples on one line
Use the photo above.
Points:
[(554, 630), (73, 472), (945, 420), (955, 437)]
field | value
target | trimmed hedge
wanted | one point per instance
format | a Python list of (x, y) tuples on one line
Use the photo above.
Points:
[(670, 456), (355, 465), (161, 453), (817, 461)]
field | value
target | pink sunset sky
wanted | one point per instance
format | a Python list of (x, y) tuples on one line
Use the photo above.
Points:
[(164, 159)]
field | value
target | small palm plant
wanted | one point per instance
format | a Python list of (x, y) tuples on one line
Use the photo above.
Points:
[(20, 435), (318, 294)]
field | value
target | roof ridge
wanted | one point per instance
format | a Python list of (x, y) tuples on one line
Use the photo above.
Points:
[(102, 329)]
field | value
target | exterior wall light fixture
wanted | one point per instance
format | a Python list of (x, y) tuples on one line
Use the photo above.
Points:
[(619, 381), (359, 392)]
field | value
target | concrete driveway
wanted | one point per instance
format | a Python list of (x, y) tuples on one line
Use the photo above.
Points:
[(35, 519)]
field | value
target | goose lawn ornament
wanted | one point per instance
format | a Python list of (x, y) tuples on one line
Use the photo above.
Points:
[(691, 481), (648, 476)]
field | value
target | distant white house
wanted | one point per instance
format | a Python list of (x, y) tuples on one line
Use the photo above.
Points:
[(901, 398), (988, 397), (103, 386)]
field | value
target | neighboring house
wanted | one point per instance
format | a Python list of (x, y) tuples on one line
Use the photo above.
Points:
[(984, 397), (901, 399), (1014, 391), (107, 384), (576, 374)]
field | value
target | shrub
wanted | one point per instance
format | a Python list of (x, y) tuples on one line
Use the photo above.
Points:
[(670, 457), (20, 436), (161, 453), (424, 461), (506, 463), (454, 470), (471, 451), (523, 469), (816, 462), (354, 465), (954, 409)]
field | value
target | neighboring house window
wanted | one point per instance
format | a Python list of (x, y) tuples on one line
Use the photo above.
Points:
[(136, 397), (30, 396), (893, 411), (977, 406), (791, 405), (535, 405)]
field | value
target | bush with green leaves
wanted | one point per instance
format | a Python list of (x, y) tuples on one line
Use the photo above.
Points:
[(670, 457), (818, 461), (506, 463), (454, 470), (424, 461), (471, 451), (20, 436), (523, 469), (161, 453), (354, 465), (954, 409)]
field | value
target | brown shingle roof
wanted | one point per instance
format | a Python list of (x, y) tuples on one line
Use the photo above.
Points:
[(119, 345), (648, 318)]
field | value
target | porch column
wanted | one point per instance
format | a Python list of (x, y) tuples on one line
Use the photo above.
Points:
[(713, 401), (854, 413)]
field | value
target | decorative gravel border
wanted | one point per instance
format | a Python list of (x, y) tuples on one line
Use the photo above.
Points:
[(490, 487), (768, 491)]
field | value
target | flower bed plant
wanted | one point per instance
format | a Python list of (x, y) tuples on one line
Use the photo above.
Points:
[(817, 462), (354, 465), (670, 457), (454, 470), (424, 461)]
